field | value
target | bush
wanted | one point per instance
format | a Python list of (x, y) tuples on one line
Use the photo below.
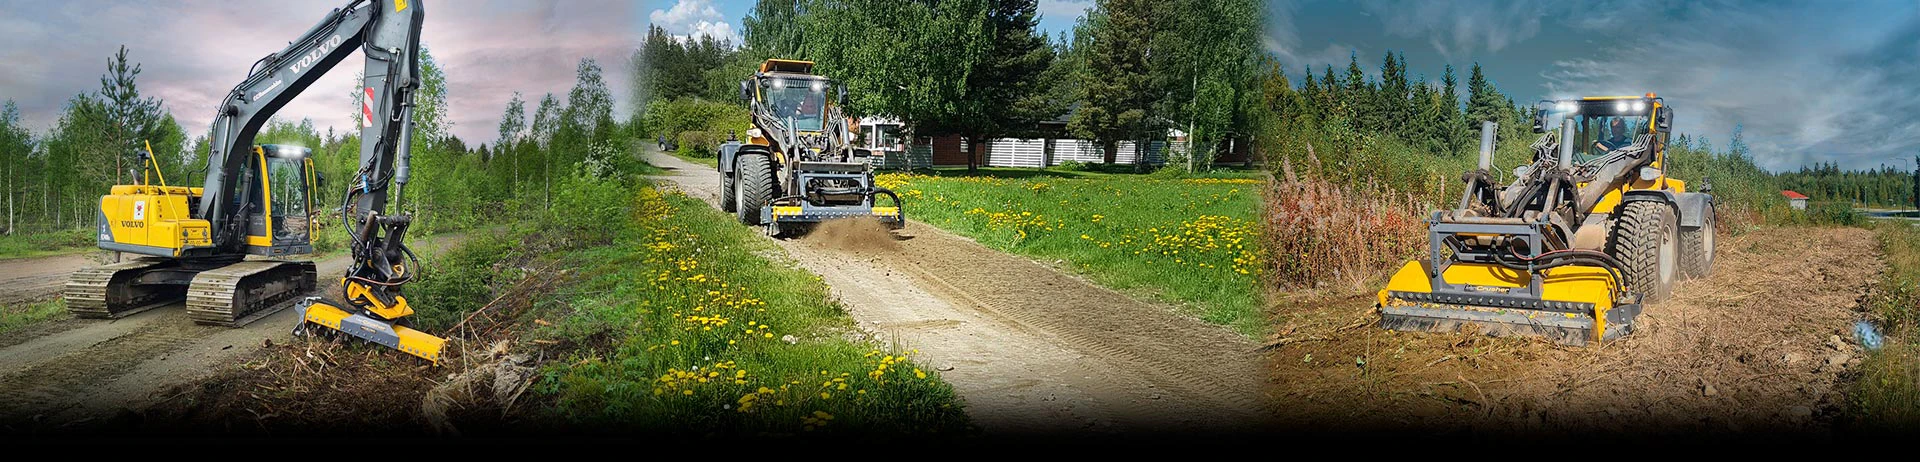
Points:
[(696, 125), (459, 282), (590, 204)]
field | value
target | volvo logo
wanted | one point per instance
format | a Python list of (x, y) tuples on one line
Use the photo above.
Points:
[(307, 62)]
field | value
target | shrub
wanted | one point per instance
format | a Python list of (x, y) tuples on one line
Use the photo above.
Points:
[(590, 203)]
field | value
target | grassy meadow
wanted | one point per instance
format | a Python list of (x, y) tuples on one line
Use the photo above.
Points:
[(1188, 241)]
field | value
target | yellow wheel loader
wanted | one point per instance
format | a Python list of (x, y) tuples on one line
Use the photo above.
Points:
[(797, 166), (1569, 251), (197, 242)]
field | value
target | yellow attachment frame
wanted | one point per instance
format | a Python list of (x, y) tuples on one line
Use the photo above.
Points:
[(406, 340), (1574, 284)]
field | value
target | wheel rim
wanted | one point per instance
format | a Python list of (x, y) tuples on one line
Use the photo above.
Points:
[(1708, 241), (1669, 253)]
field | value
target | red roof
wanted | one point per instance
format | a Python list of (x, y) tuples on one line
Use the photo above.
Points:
[(1793, 195)]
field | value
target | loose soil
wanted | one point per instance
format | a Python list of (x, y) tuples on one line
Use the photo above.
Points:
[(1030, 349), (1762, 346), (70, 372)]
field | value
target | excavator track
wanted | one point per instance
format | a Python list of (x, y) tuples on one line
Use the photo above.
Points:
[(243, 292), (109, 291)]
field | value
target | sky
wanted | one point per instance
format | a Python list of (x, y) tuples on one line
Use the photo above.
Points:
[(1809, 81), (721, 18), (193, 52)]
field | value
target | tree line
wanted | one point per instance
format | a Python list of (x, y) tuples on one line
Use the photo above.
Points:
[(1413, 135), (1131, 70)]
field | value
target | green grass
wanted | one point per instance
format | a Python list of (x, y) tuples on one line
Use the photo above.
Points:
[(1886, 395), (46, 243), (687, 327), (1189, 241), (15, 317)]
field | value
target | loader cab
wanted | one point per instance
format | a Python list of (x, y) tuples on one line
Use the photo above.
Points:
[(791, 92), (278, 218), (801, 99), (1602, 125)]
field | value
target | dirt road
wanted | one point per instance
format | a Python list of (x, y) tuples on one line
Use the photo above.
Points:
[(1030, 349), (69, 370), (1761, 346), (24, 280)]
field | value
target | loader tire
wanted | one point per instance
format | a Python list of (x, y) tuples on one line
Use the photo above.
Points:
[(728, 201), (1645, 240), (753, 187), (1696, 248)]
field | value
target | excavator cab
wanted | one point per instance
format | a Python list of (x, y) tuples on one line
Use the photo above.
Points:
[(277, 217)]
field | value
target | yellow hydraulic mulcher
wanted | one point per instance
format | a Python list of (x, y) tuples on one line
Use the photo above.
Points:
[(1570, 250)]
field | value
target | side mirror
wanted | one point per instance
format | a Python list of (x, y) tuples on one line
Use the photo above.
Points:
[(746, 91), (1539, 121), (842, 98), (319, 180), (1664, 121)]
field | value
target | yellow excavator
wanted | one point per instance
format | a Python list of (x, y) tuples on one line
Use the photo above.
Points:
[(1570, 251), (797, 166), (230, 248)]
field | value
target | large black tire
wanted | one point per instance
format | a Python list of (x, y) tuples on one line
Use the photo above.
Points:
[(1696, 248), (728, 201), (1644, 239), (754, 186)]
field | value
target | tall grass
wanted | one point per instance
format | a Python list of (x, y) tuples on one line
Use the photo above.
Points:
[(1344, 237), (1191, 241), (1886, 395)]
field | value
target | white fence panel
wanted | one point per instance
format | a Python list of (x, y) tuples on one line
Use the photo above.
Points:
[(1012, 152), (1083, 151)]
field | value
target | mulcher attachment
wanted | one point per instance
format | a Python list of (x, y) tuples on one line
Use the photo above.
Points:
[(341, 317), (1475, 279)]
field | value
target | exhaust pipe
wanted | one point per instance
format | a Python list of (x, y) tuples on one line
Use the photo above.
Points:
[(1566, 145), (1486, 144)]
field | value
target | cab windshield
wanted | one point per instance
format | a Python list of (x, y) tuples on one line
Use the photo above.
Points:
[(287, 184), (1600, 127), (804, 101)]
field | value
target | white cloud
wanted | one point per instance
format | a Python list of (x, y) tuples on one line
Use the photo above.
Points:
[(1064, 9), (1461, 29), (692, 19), (1812, 93)]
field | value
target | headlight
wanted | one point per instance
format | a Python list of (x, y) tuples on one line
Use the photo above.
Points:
[(1649, 174), (817, 87), (1568, 106), (1621, 106), (779, 84), (753, 133), (1639, 106)]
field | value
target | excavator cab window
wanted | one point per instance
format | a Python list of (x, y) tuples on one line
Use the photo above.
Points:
[(287, 190), (802, 100)]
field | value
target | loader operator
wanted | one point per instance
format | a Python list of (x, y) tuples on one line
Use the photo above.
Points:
[(1617, 129)]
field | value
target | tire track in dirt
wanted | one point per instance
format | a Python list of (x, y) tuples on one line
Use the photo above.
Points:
[(1763, 345), (1030, 349)]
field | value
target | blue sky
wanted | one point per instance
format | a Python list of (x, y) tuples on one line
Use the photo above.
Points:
[(1810, 81)]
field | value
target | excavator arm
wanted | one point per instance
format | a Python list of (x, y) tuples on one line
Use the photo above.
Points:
[(387, 35)]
